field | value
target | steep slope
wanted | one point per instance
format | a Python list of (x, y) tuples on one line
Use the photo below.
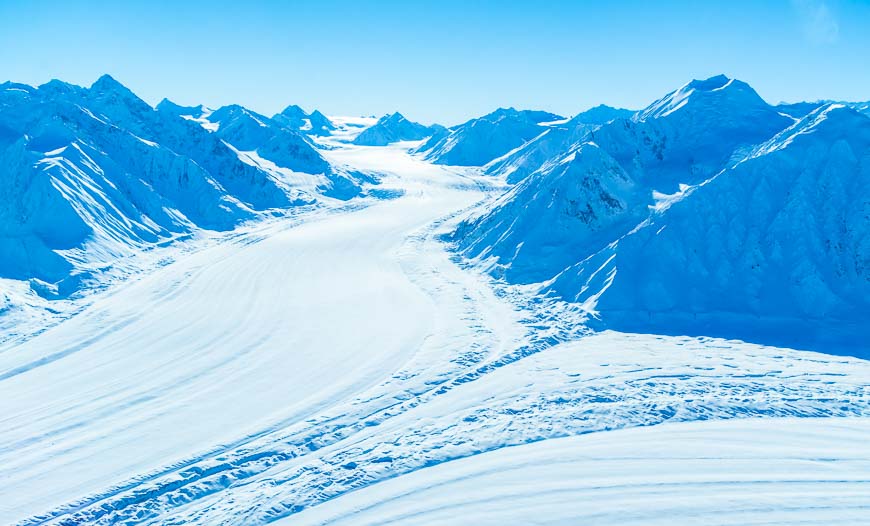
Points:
[(486, 138), (570, 206), (517, 164), (549, 221), (393, 128), (776, 248), (90, 175), (691, 133)]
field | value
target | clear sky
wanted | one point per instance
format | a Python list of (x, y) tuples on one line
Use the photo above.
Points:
[(440, 60)]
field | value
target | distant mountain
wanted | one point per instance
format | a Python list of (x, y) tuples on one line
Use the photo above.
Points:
[(393, 128), (271, 145), (89, 174), (481, 140), (601, 114), (708, 207), (798, 110), (561, 137), (297, 119)]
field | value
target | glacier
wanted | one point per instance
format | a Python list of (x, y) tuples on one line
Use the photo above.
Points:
[(212, 316)]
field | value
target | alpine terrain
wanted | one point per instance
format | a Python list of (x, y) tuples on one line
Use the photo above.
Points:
[(212, 316)]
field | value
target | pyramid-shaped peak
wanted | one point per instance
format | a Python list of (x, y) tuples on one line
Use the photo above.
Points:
[(294, 111), (108, 83), (392, 118)]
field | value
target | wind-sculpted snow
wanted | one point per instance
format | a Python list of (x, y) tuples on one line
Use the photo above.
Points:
[(481, 140), (394, 128), (782, 471), (730, 218)]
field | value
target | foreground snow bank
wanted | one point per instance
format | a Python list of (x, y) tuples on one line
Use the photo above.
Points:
[(766, 471)]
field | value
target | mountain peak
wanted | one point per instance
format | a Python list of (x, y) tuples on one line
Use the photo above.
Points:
[(601, 114), (718, 93), (294, 111), (710, 84), (108, 83), (177, 109), (393, 117)]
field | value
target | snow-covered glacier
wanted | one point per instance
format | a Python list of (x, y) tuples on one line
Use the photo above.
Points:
[(211, 316)]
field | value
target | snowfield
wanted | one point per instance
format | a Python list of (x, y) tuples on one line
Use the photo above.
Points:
[(338, 366), (784, 471)]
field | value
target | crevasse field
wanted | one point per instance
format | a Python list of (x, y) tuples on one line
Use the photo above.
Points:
[(221, 318)]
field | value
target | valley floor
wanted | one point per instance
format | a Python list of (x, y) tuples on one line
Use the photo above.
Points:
[(306, 370)]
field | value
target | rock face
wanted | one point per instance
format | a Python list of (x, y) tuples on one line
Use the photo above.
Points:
[(89, 174), (393, 128), (709, 212), (481, 140)]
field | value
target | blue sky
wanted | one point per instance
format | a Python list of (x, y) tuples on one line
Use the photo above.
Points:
[(439, 60)]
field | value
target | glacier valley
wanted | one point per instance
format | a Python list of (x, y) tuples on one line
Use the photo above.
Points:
[(217, 317)]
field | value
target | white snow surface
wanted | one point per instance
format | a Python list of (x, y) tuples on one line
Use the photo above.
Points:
[(759, 471), (272, 373)]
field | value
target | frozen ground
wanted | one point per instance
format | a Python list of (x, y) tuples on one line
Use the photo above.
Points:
[(307, 367)]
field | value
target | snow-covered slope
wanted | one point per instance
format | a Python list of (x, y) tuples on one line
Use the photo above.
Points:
[(760, 471), (393, 128), (777, 241), (91, 175), (306, 361), (776, 248), (550, 220), (486, 138), (276, 147), (517, 164)]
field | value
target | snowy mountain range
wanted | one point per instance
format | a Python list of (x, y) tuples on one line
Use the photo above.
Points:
[(211, 316), (708, 212), (393, 128), (479, 141), (89, 174)]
